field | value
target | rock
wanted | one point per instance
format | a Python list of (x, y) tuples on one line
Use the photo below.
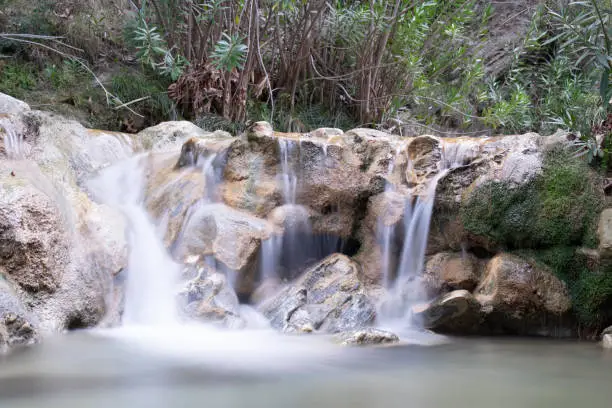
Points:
[(445, 272), (231, 237), (34, 245), (328, 297), (16, 327), (367, 337), (16, 331), (209, 298), (606, 341), (456, 312), (195, 149), (520, 298), (605, 234), (168, 135), (607, 330), (10, 105)]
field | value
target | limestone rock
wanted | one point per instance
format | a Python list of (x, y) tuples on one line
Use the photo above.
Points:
[(168, 135), (367, 337), (231, 237), (520, 298), (209, 298), (328, 297), (10, 105), (605, 234), (445, 272), (34, 248), (457, 312)]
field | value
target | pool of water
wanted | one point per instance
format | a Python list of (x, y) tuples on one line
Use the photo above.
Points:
[(162, 367)]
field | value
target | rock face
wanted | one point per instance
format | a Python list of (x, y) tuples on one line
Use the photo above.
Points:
[(367, 337), (12, 106), (329, 297), (519, 298)]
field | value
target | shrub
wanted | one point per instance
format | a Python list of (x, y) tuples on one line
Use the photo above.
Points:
[(16, 78)]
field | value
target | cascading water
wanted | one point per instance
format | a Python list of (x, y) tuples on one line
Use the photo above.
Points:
[(406, 290), (14, 143), (288, 176), (151, 273)]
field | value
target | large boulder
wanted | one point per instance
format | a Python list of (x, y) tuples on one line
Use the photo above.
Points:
[(456, 312), (448, 271), (328, 297), (230, 237), (518, 297)]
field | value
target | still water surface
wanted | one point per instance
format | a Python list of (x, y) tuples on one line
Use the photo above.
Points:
[(251, 369)]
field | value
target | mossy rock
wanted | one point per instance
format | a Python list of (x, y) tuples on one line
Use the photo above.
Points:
[(559, 207)]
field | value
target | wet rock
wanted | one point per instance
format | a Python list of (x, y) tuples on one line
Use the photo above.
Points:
[(607, 330), (367, 337), (606, 341), (196, 148), (328, 297), (209, 298), (231, 237), (456, 312), (520, 298), (445, 272), (605, 234), (10, 105)]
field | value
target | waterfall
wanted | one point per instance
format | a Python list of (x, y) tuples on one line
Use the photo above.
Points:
[(288, 176), (14, 143), (151, 272), (406, 289)]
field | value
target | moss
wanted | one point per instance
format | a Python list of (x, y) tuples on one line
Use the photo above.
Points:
[(557, 208)]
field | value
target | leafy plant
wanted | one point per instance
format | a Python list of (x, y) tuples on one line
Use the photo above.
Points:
[(229, 53)]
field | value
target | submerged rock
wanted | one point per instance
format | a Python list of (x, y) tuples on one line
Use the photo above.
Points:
[(328, 297), (520, 298), (457, 312), (367, 337)]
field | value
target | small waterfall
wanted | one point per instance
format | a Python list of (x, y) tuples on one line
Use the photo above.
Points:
[(151, 273), (270, 258), (288, 176), (406, 289), (14, 143)]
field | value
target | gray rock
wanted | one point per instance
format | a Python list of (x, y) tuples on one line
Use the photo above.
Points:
[(209, 298), (367, 337), (10, 105), (328, 297)]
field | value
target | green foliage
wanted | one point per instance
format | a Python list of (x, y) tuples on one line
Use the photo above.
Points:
[(559, 207), (16, 79), (66, 75), (134, 86), (229, 53)]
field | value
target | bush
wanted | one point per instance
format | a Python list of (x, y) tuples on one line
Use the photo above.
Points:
[(558, 207), (16, 79)]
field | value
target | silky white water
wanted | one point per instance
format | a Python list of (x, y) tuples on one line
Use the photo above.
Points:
[(151, 273)]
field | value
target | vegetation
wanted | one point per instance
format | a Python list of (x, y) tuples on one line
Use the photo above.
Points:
[(348, 62), (550, 220)]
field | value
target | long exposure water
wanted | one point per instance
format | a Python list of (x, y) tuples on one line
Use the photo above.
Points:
[(86, 370)]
